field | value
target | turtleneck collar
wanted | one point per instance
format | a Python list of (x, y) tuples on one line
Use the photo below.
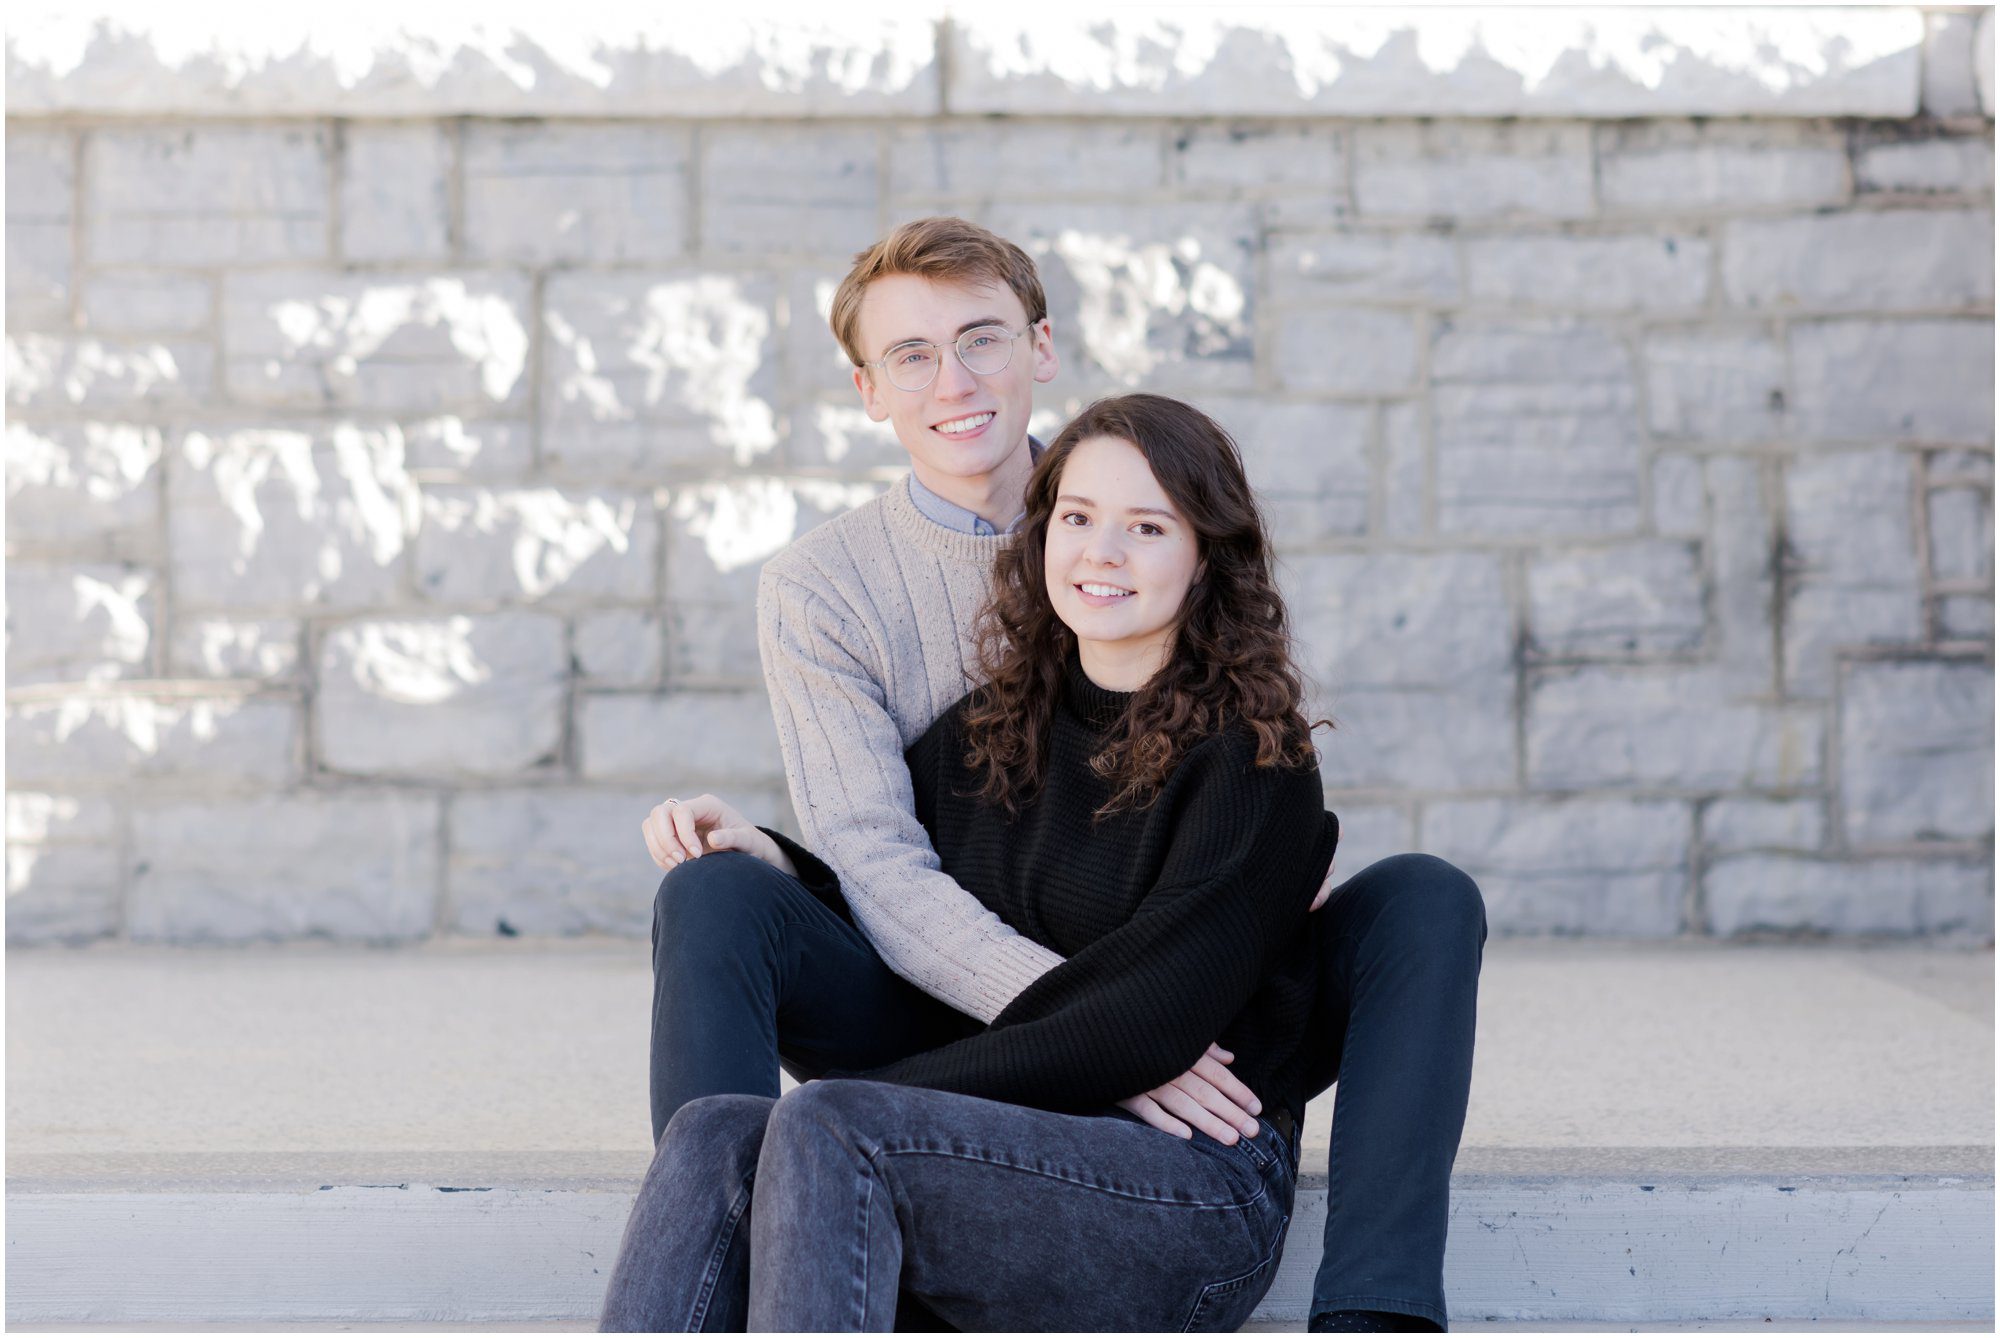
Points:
[(1098, 708)]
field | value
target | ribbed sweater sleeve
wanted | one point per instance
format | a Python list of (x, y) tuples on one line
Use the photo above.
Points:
[(851, 792), (1137, 1006)]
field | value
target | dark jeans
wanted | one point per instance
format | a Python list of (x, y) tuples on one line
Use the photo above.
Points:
[(815, 1211), (752, 971)]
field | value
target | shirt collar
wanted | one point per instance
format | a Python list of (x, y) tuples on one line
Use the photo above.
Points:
[(955, 517)]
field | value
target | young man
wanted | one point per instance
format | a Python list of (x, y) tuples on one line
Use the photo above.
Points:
[(863, 627)]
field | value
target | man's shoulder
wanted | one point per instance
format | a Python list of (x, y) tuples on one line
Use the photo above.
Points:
[(830, 554)]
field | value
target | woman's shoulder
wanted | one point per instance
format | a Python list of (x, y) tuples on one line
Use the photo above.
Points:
[(1228, 762)]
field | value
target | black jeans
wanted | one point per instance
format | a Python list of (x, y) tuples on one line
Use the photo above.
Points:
[(752, 972)]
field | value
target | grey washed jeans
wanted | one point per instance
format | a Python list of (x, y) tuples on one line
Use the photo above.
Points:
[(813, 1211)]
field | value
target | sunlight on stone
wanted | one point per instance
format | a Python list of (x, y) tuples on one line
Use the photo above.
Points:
[(739, 523), (554, 535), (383, 500), (126, 637), (83, 368), (243, 463), (35, 817), (356, 325), (1126, 284), (417, 664)]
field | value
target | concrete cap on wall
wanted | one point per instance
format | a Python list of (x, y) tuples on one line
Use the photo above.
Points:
[(632, 59)]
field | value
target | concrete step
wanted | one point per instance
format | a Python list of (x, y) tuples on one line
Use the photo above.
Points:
[(1660, 1134)]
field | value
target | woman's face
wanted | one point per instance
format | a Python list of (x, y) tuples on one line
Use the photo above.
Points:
[(1119, 556)]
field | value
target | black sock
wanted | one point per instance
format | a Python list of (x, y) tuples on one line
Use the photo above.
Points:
[(1369, 1321)]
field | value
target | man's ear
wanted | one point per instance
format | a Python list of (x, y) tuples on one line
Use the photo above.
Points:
[(872, 402), (1046, 364)]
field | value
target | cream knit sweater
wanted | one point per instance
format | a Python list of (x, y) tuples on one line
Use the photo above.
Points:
[(863, 627)]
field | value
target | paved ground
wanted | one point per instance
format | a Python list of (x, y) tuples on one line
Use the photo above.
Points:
[(117, 1054)]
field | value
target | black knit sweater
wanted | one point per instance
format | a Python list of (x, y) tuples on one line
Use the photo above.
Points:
[(1182, 923)]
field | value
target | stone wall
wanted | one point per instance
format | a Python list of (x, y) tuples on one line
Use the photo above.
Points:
[(397, 426)]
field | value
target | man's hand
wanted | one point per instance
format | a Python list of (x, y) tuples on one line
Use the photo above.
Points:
[(683, 829), (1325, 889), (1206, 1097)]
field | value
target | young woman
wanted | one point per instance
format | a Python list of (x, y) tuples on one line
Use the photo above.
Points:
[(1135, 787)]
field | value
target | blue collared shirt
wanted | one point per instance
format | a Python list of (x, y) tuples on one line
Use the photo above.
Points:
[(955, 517)]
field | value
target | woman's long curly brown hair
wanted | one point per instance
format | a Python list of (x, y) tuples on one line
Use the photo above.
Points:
[(1231, 658)]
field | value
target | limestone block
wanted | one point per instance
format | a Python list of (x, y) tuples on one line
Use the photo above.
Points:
[(1297, 173), (1742, 822), (1961, 535), (165, 304), (266, 650), (451, 446), (348, 865), (1854, 573), (1721, 385), (1268, 61), (206, 194), (1743, 554), (395, 191), (1745, 893), (35, 818), (372, 61), (1368, 832), (1348, 350), (1955, 165), (1880, 260), (684, 740), (1916, 751), (282, 517), (1982, 62), (649, 370), (719, 534), (542, 193), (83, 487), (460, 696), (1533, 428), (1413, 655), (1146, 295), (990, 160), (1678, 168), (396, 343), (1569, 866), (1966, 617), (481, 545), (1865, 380), (1665, 726), (1308, 463), (1406, 464), (842, 435), (619, 648), (1677, 494), (41, 171), (101, 735), (712, 643), (62, 894), (1950, 84), (1322, 267), (1667, 272), (1473, 170), (108, 375), (78, 623), (815, 364), (1640, 598), (789, 189), (562, 861), (1974, 468)]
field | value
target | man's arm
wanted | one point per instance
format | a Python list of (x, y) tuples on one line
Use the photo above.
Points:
[(851, 791)]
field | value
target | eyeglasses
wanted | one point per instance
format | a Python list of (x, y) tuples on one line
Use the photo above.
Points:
[(914, 364)]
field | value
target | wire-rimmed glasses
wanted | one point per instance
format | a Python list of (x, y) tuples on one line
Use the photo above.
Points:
[(913, 364)]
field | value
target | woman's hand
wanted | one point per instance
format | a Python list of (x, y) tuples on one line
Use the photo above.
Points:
[(678, 830), (1207, 1097)]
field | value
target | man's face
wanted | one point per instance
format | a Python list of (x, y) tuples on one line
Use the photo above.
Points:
[(962, 425)]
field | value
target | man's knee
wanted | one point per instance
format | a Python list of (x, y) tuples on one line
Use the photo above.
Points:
[(720, 900), (1433, 892), (833, 1113)]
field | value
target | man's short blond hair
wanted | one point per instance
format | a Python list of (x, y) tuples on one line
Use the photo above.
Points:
[(941, 248)]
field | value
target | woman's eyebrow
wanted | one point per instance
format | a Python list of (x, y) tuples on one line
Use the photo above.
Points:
[(1130, 510)]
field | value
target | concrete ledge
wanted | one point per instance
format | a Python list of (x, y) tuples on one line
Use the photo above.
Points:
[(631, 60)]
